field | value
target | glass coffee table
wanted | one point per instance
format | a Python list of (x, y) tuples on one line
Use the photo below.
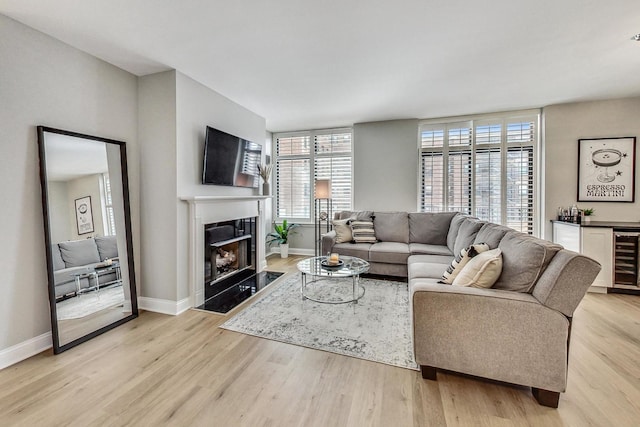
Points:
[(351, 267)]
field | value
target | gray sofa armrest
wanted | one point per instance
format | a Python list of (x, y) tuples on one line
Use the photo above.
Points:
[(566, 280), (328, 240), (502, 335)]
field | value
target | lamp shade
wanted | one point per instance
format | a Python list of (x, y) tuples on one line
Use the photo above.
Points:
[(323, 189)]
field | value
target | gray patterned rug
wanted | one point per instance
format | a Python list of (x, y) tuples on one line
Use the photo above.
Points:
[(377, 328)]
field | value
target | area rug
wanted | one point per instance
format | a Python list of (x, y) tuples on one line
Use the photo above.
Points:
[(377, 328), (89, 303)]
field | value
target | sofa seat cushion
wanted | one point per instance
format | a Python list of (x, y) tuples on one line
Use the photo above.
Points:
[(79, 253), (524, 259), (358, 250), (67, 274), (392, 226), (430, 270), (426, 249), (430, 227), (420, 283), (389, 252), (491, 234)]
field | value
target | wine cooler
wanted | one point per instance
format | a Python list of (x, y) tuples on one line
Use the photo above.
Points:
[(626, 259)]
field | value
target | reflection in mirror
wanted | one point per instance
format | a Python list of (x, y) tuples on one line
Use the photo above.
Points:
[(88, 235)]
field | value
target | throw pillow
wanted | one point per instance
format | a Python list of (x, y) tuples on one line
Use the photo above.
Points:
[(363, 232), (461, 260), (342, 227), (482, 271)]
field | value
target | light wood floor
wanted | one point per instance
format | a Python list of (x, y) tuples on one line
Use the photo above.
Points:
[(184, 370)]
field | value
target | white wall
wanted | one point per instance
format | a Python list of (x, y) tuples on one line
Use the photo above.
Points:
[(566, 123), (59, 213), (174, 111), (81, 187), (46, 82), (386, 165), (157, 134), (197, 106)]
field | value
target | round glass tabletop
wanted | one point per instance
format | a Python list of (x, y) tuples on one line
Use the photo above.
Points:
[(351, 266)]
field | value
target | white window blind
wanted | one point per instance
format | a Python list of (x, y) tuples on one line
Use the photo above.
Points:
[(110, 229), (484, 166), (299, 163), (333, 161)]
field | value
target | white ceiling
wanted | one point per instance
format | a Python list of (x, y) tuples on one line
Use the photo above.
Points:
[(312, 64), (69, 157)]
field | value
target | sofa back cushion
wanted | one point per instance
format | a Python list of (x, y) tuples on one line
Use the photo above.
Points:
[(491, 234), (58, 263), (524, 259), (391, 226), (359, 215), (77, 253), (467, 233), (107, 247), (454, 226), (430, 227)]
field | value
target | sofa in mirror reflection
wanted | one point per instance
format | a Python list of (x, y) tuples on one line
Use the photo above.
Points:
[(79, 263)]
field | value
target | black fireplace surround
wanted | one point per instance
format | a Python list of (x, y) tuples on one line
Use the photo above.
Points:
[(229, 251), (230, 264)]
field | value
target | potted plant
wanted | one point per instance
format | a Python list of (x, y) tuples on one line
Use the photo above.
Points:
[(265, 173), (281, 235), (587, 213)]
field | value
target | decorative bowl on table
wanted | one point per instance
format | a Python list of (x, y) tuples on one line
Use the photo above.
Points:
[(329, 265)]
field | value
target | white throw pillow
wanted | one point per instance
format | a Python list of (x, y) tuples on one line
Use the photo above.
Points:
[(461, 260), (482, 271), (343, 230)]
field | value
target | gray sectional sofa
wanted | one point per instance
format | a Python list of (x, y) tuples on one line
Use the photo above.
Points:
[(80, 256), (516, 331)]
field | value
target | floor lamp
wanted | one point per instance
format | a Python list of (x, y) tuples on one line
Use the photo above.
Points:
[(322, 192)]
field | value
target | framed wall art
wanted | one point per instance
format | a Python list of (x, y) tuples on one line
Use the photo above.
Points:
[(84, 215), (606, 169)]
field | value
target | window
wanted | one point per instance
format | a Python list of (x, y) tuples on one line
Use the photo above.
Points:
[(110, 222), (302, 158), (483, 166)]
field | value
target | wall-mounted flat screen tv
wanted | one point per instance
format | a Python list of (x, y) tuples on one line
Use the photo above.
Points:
[(230, 160)]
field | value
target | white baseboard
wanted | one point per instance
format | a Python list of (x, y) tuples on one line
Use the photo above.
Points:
[(293, 251), (24, 350), (597, 289), (164, 306)]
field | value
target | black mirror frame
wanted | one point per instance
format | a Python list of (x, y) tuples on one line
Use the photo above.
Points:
[(57, 348)]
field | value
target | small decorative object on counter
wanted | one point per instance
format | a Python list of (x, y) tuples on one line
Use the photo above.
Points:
[(572, 214), (586, 214)]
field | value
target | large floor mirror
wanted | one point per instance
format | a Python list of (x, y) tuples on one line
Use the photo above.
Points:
[(87, 224)]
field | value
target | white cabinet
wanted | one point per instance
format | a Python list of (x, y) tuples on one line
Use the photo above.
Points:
[(597, 243), (594, 242)]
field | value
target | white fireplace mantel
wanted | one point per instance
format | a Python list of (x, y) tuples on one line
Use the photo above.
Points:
[(208, 209)]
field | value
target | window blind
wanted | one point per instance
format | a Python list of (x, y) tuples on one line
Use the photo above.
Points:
[(484, 166), (305, 157)]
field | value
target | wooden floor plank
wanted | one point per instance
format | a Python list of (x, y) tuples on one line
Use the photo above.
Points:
[(186, 371)]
